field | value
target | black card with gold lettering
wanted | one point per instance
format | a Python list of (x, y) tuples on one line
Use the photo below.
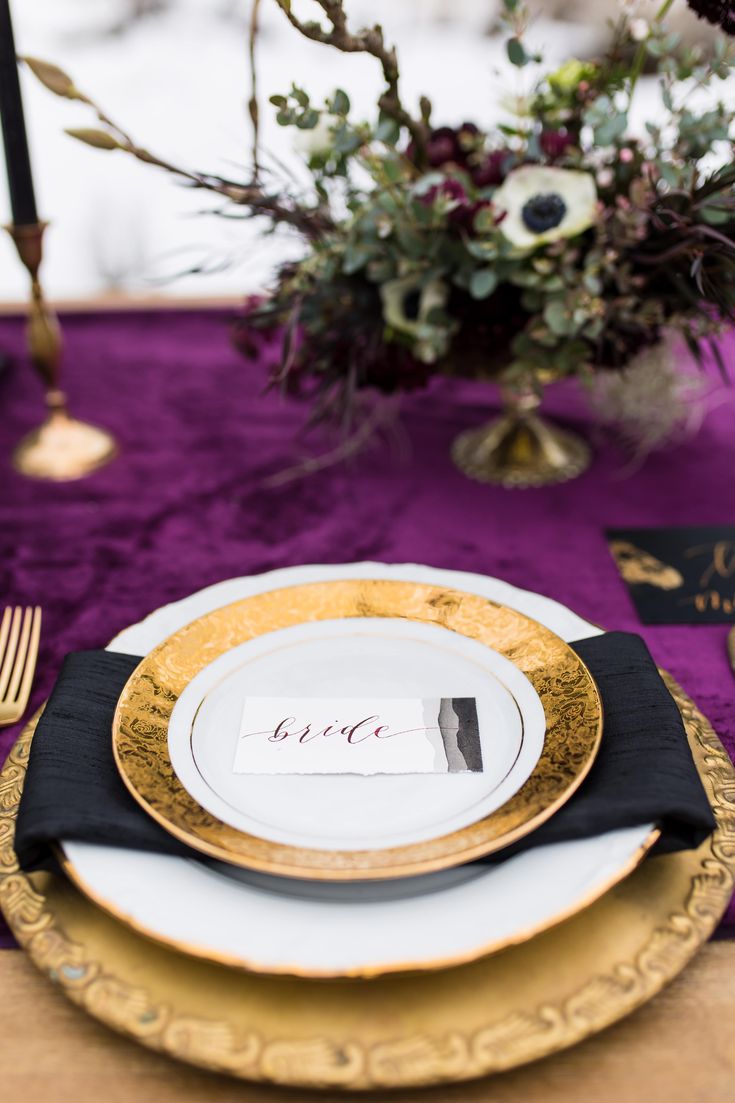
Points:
[(678, 575)]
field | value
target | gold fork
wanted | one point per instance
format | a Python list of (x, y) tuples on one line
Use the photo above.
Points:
[(20, 632)]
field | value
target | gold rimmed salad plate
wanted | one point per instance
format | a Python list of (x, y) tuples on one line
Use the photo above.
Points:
[(342, 639)]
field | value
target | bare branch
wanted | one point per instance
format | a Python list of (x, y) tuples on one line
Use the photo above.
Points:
[(369, 40), (312, 222), (346, 448), (253, 102)]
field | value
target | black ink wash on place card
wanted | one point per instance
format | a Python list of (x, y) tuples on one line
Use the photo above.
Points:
[(678, 575)]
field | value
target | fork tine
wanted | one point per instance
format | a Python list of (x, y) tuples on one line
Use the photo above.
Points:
[(9, 656), (24, 691), (5, 629), (20, 656)]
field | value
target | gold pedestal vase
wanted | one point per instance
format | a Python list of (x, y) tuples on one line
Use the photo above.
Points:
[(520, 448)]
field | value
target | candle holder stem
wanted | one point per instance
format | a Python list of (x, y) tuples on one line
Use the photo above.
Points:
[(61, 448)]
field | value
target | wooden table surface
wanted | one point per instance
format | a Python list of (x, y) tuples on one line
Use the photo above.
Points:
[(679, 1048)]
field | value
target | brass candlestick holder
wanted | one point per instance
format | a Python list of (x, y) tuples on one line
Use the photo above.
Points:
[(62, 448)]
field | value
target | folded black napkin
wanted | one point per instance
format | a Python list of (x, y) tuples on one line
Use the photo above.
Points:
[(643, 773)]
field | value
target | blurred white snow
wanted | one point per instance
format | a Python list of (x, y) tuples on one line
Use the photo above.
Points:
[(178, 81)]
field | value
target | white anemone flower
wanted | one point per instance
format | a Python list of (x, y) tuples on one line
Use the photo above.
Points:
[(542, 204), (318, 140)]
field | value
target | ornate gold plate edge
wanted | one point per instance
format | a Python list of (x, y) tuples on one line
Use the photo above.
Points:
[(565, 686), (518, 1006)]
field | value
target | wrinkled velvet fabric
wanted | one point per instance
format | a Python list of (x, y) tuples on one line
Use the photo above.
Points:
[(185, 504)]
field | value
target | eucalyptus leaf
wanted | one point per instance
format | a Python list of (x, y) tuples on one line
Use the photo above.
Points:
[(340, 103), (393, 171), (557, 317), (423, 213), (410, 241), (481, 250), (427, 182), (355, 258), (387, 131), (516, 52), (346, 140), (716, 216), (669, 172), (485, 221), (483, 282), (612, 128), (380, 270), (308, 120)]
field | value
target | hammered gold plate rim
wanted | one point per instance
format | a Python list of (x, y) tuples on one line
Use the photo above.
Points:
[(513, 1008), (568, 694)]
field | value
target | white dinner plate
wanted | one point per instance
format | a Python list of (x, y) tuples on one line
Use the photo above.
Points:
[(276, 925), (377, 657)]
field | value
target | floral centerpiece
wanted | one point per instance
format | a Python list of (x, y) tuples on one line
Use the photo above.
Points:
[(559, 243)]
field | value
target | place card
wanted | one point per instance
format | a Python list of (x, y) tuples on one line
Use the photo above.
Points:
[(397, 735), (678, 575)]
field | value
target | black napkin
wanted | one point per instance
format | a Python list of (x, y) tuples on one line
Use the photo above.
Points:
[(72, 788), (643, 773)]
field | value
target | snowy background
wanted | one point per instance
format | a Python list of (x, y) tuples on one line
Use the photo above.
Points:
[(178, 80)]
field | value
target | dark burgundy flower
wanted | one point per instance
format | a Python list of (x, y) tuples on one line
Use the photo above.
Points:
[(554, 143), (491, 170), (464, 215), (448, 189), (463, 212), (719, 12), (443, 147), (448, 145), (468, 136)]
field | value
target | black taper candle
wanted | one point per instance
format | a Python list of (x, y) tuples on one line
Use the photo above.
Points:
[(15, 140)]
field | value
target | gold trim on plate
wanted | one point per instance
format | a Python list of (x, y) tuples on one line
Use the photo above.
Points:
[(420, 965), (567, 691), (514, 1007)]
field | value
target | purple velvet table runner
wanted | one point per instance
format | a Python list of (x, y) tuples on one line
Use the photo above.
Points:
[(185, 504)]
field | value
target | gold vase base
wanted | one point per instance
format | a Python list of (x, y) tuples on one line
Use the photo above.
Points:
[(521, 451), (63, 449)]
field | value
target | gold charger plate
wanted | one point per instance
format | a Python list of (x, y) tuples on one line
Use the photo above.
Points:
[(567, 691), (525, 1003)]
